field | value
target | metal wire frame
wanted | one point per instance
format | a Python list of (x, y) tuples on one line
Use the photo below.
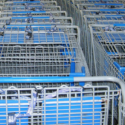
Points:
[(100, 19), (99, 6), (73, 12), (34, 14), (40, 20), (98, 102), (45, 53), (39, 60), (50, 3), (105, 46), (77, 16), (112, 41), (101, 68), (37, 8)]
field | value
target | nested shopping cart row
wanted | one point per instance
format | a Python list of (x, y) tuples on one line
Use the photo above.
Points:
[(111, 38), (90, 13), (100, 19), (30, 51), (100, 64), (23, 48), (40, 50)]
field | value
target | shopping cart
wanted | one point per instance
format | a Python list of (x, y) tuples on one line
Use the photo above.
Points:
[(33, 3), (36, 20), (99, 6), (99, 19), (30, 8), (41, 51), (98, 61), (77, 14), (111, 40), (62, 105), (34, 14)]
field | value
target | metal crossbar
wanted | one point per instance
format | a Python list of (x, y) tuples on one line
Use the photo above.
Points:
[(36, 20), (30, 8), (100, 6), (33, 13)]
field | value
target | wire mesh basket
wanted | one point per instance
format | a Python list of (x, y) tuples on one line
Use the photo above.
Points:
[(62, 105), (100, 19), (111, 41), (98, 61), (38, 51)]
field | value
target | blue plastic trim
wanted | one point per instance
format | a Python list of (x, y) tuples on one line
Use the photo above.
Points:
[(120, 25), (111, 53), (63, 118), (36, 79), (31, 17), (72, 67), (25, 12), (97, 4), (27, 2), (83, 70), (79, 75), (117, 65), (121, 69)]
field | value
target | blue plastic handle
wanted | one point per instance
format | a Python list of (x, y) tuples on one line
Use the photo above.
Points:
[(27, 2), (25, 12), (97, 4), (119, 25), (36, 79), (31, 17)]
